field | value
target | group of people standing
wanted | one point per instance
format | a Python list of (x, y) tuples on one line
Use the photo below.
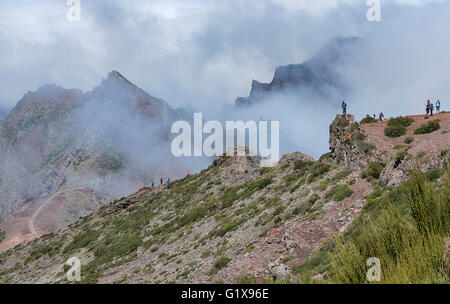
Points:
[(161, 180), (430, 107), (344, 111)]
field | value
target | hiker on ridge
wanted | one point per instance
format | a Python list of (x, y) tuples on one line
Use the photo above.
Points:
[(428, 107), (161, 180), (153, 184), (438, 106), (168, 180), (431, 108), (344, 107), (381, 116)]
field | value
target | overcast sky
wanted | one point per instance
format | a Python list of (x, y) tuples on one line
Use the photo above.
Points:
[(199, 52)]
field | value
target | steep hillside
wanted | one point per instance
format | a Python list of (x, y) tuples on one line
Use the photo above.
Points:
[(60, 140), (232, 222)]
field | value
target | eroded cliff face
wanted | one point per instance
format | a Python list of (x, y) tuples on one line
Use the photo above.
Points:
[(318, 77)]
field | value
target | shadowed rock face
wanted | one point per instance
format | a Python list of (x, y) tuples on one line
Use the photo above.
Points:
[(317, 77), (347, 143)]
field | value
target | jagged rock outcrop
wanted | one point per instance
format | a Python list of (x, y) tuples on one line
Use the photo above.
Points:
[(398, 167), (317, 77), (347, 143)]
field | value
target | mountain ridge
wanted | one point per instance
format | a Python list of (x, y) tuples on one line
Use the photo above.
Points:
[(58, 139), (318, 76), (237, 222)]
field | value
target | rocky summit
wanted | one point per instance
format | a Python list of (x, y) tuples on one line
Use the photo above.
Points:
[(65, 153), (316, 78)]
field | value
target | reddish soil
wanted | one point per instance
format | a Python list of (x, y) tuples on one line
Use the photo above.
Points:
[(432, 143)]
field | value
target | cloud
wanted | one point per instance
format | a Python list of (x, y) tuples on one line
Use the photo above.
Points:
[(205, 53)]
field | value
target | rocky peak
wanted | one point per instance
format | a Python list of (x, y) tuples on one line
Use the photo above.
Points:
[(347, 143), (118, 90), (118, 79), (318, 76)]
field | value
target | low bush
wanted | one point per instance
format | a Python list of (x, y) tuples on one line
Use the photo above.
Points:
[(409, 243), (368, 119), (301, 164), (373, 171), (318, 169), (220, 263), (397, 127), (339, 193), (408, 140), (429, 127)]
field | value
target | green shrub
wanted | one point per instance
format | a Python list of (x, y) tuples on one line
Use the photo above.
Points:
[(227, 227), (325, 157), (421, 154), (323, 184), (430, 211), (429, 127), (339, 193), (408, 140), (318, 169), (403, 121), (220, 263), (318, 259), (365, 147), (368, 119), (373, 171), (340, 176), (410, 245), (301, 164), (314, 198), (396, 127), (82, 240)]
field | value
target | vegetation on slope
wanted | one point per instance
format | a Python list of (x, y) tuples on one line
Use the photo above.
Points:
[(397, 127), (368, 119), (207, 215), (429, 127), (405, 228)]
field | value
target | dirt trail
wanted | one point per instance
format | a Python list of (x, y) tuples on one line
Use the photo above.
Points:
[(36, 213)]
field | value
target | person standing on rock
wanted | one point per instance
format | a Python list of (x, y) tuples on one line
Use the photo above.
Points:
[(431, 108), (161, 180), (381, 116), (438, 106), (344, 108), (153, 184), (428, 107)]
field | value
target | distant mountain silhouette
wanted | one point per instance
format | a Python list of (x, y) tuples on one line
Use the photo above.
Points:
[(318, 76)]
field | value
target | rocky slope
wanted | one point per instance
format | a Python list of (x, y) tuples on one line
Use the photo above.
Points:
[(232, 221), (57, 140), (318, 77)]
